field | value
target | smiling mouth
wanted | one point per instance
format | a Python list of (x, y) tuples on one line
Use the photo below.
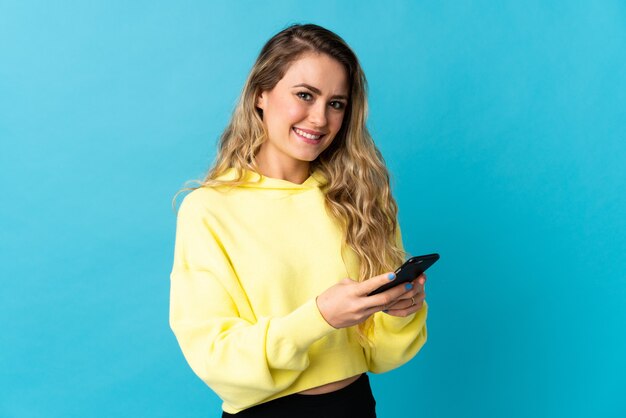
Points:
[(307, 135)]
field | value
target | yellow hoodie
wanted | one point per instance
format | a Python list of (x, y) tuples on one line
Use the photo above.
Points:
[(249, 262)]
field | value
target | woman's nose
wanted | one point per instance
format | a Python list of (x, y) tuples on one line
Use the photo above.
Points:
[(317, 114)]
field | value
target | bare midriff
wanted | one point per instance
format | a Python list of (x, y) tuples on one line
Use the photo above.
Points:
[(330, 387)]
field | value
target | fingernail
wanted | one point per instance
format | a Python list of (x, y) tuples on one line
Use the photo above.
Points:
[(408, 286), (391, 276)]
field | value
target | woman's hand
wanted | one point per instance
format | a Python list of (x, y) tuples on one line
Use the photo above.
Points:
[(346, 303), (411, 301)]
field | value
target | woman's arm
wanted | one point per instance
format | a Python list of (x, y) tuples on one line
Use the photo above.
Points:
[(242, 358), (396, 340), (401, 332)]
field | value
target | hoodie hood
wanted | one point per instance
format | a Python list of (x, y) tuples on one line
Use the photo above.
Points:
[(255, 180)]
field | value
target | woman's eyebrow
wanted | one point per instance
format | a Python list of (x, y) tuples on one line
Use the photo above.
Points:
[(319, 92)]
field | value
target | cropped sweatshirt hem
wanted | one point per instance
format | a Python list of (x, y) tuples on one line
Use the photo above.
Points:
[(331, 367)]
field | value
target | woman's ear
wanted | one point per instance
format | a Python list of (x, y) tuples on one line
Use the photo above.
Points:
[(260, 100)]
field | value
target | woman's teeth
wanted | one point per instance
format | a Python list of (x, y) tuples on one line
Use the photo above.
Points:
[(306, 135)]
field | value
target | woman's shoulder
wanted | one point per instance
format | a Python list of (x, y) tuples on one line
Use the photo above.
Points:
[(201, 200)]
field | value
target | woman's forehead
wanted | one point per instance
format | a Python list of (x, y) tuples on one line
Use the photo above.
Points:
[(320, 71)]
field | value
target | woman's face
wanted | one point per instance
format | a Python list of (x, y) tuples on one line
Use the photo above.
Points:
[(304, 111)]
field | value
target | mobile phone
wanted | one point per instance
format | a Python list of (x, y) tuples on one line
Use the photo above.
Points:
[(409, 271)]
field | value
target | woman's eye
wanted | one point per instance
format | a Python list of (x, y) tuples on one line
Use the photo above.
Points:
[(304, 95), (337, 105)]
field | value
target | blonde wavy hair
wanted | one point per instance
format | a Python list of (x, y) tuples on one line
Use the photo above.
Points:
[(358, 193)]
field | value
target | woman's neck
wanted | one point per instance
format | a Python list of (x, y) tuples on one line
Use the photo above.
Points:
[(293, 171)]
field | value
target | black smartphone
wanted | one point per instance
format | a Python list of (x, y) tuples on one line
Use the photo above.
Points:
[(409, 271)]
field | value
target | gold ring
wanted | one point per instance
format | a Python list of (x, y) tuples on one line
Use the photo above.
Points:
[(412, 301)]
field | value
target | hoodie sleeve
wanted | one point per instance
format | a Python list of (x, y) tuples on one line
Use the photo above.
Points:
[(243, 359), (395, 340)]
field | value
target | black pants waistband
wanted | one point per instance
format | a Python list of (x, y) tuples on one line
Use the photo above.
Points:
[(355, 400)]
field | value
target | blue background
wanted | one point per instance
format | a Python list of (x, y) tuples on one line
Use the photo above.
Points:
[(503, 123)]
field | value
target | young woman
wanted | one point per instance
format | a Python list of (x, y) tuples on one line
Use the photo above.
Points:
[(292, 228)]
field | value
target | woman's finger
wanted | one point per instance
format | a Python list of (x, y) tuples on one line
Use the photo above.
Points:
[(368, 286), (409, 305)]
